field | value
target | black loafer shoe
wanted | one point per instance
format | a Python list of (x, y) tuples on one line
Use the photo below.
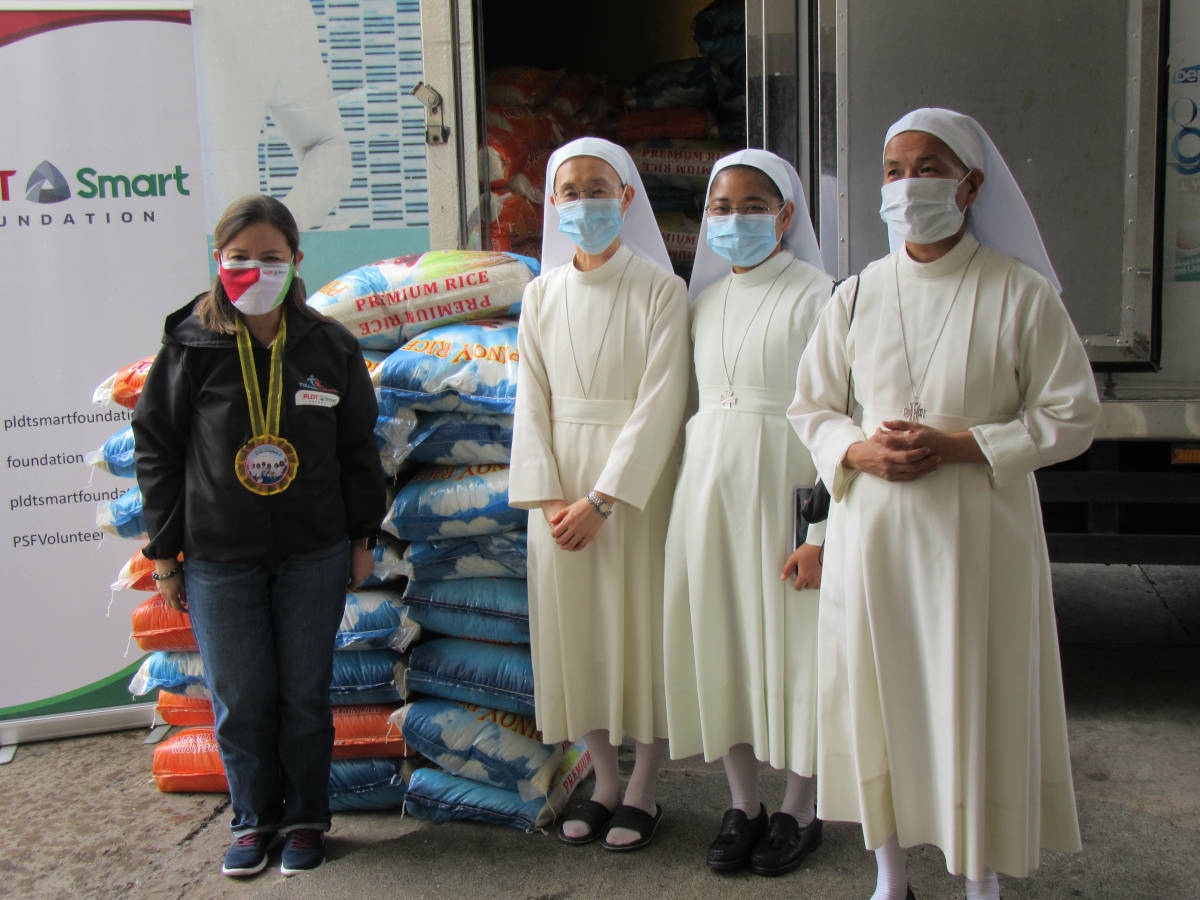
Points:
[(737, 837), (785, 845)]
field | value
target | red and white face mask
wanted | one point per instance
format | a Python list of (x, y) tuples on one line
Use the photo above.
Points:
[(255, 287)]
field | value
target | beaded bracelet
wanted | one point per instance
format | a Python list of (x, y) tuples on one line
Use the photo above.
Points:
[(178, 570)]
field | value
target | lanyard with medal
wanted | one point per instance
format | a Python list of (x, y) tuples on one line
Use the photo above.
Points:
[(267, 463)]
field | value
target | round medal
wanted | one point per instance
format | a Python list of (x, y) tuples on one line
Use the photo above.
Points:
[(266, 464)]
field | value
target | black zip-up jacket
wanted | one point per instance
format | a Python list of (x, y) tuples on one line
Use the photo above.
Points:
[(192, 418)]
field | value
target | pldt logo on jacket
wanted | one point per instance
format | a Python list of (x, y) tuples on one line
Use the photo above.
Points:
[(314, 392)]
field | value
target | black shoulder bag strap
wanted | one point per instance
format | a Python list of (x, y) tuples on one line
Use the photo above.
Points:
[(816, 507)]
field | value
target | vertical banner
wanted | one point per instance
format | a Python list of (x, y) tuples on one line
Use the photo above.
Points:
[(102, 233)]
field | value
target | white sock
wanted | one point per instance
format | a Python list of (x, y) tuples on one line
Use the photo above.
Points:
[(607, 789), (987, 889), (741, 771), (639, 793), (892, 881), (800, 798)]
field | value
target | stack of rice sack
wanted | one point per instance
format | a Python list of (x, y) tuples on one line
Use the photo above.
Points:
[(464, 555), (121, 517), (530, 112), (369, 771), (682, 116), (368, 751)]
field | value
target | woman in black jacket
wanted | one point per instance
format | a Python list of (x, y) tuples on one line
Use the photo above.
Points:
[(256, 460)]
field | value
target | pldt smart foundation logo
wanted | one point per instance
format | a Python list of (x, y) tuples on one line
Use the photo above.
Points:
[(47, 185)]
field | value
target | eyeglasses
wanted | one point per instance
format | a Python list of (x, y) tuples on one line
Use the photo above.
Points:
[(753, 209), (589, 194)]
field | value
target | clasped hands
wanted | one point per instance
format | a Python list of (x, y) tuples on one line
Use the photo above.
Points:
[(900, 450), (573, 525)]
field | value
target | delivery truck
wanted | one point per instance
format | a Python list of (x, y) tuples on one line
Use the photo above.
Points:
[(1096, 107)]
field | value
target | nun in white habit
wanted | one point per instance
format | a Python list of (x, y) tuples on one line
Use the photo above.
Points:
[(940, 713), (741, 599), (596, 441)]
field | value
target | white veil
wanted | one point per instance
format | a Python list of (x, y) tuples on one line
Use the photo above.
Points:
[(1000, 216), (800, 238)]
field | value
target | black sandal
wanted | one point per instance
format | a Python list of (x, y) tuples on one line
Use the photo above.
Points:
[(635, 820), (593, 814)]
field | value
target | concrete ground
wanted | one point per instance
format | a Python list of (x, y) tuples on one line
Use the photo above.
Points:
[(81, 817)]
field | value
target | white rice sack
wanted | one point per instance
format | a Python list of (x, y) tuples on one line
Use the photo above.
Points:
[(387, 302)]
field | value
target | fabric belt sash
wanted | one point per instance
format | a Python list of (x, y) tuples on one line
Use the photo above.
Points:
[(578, 411), (761, 401)]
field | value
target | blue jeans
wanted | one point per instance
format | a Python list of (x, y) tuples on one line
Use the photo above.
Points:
[(266, 637)]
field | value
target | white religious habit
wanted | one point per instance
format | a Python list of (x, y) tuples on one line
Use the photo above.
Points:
[(940, 710), (741, 647), (602, 385)]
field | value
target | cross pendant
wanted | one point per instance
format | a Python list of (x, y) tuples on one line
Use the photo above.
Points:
[(914, 412), (729, 398)]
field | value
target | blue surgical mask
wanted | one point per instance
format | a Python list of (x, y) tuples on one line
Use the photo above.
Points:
[(591, 225), (744, 240)]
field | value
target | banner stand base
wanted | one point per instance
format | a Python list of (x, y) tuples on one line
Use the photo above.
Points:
[(157, 733), (7, 752), (73, 724)]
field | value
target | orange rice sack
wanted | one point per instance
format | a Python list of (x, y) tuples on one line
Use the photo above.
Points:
[(531, 129), (503, 156), (183, 711), (158, 627), (190, 761), (364, 732), (645, 124), (124, 386), (135, 575), (520, 85), (513, 219)]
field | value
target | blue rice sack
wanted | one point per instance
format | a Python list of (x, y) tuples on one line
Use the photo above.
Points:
[(481, 609), (375, 620), (453, 501), (454, 438), (466, 368), (391, 568), (490, 746), (363, 676), (482, 556), (493, 675), (116, 455), (368, 784), (123, 516), (442, 797), (393, 432)]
